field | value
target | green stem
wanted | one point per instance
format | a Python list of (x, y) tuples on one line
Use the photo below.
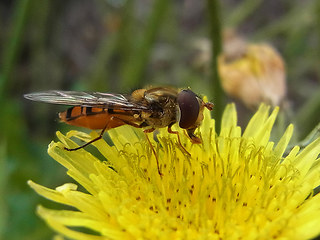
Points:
[(216, 43)]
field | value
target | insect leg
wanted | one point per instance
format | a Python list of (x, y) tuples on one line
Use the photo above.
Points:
[(194, 139), (152, 148), (125, 122), (146, 131), (178, 136), (88, 143), (106, 127)]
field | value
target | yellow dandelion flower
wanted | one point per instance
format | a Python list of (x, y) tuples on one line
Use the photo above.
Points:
[(233, 186)]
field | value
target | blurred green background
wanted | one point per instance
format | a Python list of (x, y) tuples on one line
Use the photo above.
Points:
[(118, 46)]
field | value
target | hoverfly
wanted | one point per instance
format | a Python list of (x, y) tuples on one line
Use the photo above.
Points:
[(149, 108)]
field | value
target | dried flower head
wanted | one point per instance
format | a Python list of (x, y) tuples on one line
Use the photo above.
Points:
[(253, 73)]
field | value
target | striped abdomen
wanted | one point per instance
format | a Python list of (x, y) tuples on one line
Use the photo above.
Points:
[(95, 118)]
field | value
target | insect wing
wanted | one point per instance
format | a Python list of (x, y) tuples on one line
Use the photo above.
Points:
[(86, 99)]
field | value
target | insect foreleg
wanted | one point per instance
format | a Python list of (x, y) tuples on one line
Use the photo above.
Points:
[(146, 131), (178, 136)]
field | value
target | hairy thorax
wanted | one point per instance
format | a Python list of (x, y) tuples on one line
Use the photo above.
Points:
[(162, 104)]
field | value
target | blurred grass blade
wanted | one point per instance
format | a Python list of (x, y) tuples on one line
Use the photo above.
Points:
[(242, 11), (115, 45), (317, 26), (289, 21), (134, 67), (3, 184), (98, 77), (308, 115), (13, 44), (312, 136)]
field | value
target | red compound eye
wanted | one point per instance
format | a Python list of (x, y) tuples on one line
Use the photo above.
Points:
[(189, 108)]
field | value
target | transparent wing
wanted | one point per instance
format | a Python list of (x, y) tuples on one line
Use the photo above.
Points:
[(89, 99)]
